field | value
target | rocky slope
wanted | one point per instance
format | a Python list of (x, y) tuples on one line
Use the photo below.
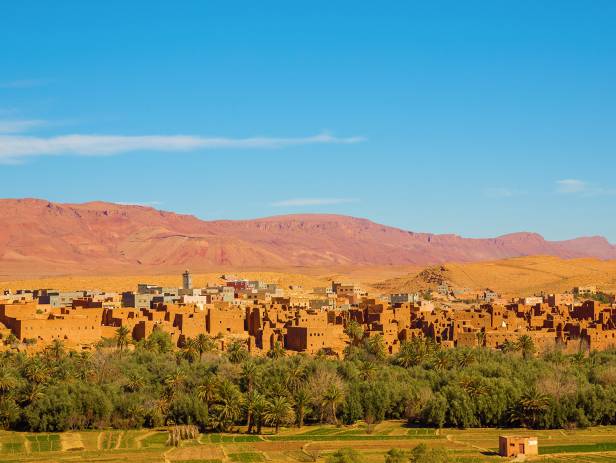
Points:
[(38, 236)]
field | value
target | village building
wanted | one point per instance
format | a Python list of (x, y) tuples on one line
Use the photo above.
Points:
[(517, 446), (311, 321)]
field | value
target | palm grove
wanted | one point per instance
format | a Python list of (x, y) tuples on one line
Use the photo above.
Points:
[(154, 384)]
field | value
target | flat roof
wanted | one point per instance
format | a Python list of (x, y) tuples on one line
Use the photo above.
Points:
[(509, 436)]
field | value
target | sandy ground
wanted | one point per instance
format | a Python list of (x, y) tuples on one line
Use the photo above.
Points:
[(518, 276)]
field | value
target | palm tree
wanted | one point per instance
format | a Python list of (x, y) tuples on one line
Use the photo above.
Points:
[(332, 397), (531, 406), (190, 352), (578, 359), (301, 399), (203, 344), (508, 346), (134, 382), (207, 391), (442, 361), (122, 338), (249, 371), (237, 352), (295, 376), (253, 404), (258, 411), (412, 353), (174, 382), (84, 365), (473, 387), (56, 349), (161, 408), (35, 371), (526, 345), (367, 370), (278, 411), (62, 370), (277, 351), (229, 407), (35, 392), (355, 332), (277, 388), (466, 358), (8, 382), (376, 346), (9, 412)]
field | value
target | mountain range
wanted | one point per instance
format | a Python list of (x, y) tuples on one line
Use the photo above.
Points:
[(43, 237)]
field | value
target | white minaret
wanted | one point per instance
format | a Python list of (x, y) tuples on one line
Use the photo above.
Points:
[(186, 280)]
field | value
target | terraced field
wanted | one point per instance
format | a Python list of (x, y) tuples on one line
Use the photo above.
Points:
[(308, 445)]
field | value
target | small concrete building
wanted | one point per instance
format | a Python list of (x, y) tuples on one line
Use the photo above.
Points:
[(514, 446)]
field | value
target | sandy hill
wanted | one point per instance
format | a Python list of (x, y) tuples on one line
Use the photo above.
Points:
[(39, 237), (516, 276)]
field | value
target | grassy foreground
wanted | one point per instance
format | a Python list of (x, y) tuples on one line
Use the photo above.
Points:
[(310, 444)]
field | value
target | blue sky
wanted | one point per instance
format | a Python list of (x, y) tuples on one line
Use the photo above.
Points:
[(477, 117)]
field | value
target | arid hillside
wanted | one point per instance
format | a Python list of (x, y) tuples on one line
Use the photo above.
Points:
[(516, 276), (42, 238)]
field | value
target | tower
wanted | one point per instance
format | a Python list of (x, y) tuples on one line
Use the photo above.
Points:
[(186, 280)]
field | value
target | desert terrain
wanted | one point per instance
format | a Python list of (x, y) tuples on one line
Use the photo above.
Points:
[(510, 277)]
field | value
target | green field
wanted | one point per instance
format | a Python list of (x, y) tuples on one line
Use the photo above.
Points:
[(596, 444)]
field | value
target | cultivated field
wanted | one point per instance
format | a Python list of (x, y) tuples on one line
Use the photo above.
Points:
[(307, 445)]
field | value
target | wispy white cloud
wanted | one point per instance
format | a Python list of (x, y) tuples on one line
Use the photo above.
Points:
[(582, 188), (502, 192), (313, 202), (23, 83), (17, 126), (16, 148), (571, 185)]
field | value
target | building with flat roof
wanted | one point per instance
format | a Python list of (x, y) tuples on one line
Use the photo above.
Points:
[(517, 446)]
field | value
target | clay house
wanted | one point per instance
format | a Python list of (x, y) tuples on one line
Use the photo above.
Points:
[(222, 319), (555, 300), (350, 291), (311, 332), (517, 446), (300, 321)]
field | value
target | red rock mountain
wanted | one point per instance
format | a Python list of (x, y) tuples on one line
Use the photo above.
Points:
[(40, 237)]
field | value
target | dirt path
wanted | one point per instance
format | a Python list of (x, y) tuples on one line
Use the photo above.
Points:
[(450, 438), (27, 445), (71, 441), (138, 439), (119, 441)]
